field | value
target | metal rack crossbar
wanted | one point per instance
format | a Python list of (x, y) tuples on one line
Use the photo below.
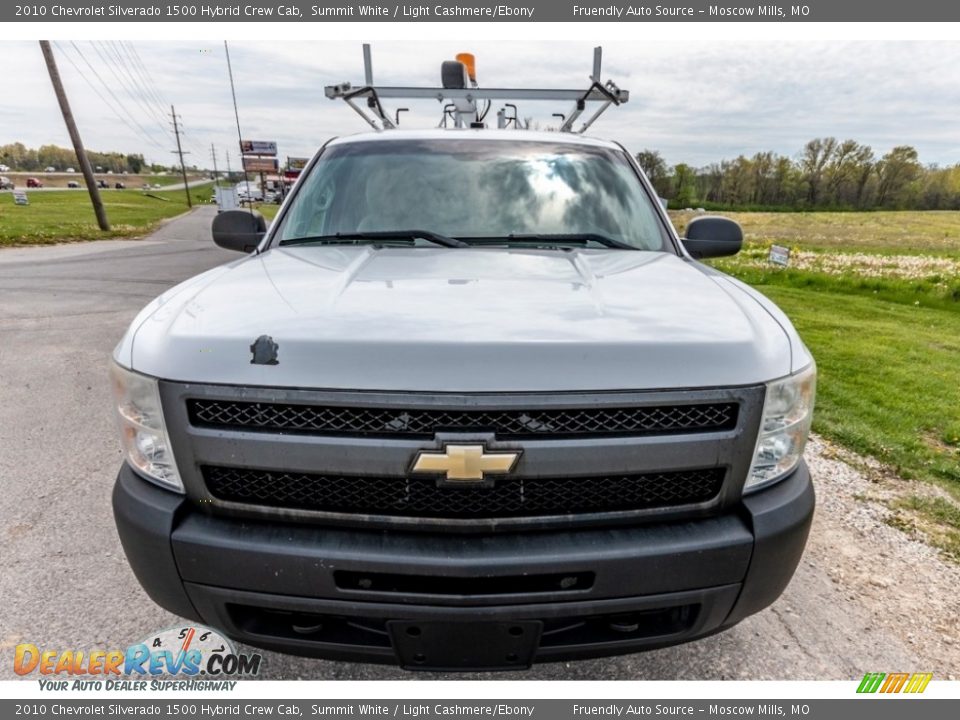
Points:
[(461, 102)]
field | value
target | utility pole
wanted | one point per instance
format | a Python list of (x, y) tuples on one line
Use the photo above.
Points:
[(179, 151), (216, 176), (82, 158), (213, 154)]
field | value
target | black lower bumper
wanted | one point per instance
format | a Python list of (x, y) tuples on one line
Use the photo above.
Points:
[(418, 599)]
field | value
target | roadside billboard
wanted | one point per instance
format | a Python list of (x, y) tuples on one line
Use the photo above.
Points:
[(258, 147), (260, 164)]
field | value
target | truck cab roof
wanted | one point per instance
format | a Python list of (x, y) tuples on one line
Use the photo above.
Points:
[(474, 134)]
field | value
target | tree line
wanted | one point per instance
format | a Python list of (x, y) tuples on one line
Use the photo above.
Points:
[(827, 174), (21, 158)]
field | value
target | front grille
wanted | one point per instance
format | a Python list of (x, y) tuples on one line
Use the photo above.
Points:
[(399, 422), (423, 497)]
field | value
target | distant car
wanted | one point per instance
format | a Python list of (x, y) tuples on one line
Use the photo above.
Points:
[(6, 183), (70, 170), (50, 168), (73, 184), (33, 182), (119, 186), (102, 184), (4, 168), (157, 186)]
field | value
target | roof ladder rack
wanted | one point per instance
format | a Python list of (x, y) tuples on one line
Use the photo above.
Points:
[(460, 94)]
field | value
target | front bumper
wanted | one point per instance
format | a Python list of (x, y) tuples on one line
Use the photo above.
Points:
[(336, 593)]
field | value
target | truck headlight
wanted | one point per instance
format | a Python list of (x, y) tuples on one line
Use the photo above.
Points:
[(143, 434), (787, 414)]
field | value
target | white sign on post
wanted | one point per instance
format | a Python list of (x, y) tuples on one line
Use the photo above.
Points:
[(226, 198), (779, 255)]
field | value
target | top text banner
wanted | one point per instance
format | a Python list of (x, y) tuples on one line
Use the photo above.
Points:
[(480, 11)]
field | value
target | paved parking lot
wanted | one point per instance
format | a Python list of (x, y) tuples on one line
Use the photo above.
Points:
[(864, 598)]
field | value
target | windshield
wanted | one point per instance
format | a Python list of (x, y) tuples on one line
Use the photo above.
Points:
[(475, 190)]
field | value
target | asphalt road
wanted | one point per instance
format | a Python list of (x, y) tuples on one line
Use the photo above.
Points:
[(65, 582)]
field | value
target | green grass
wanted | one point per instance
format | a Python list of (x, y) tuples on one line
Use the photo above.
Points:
[(268, 211), (937, 518), (56, 216), (932, 291), (886, 338), (889, 378), (889, 232)]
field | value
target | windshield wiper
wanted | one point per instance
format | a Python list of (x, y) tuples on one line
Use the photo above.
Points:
[(558, 238), (580, 238), (373, 235)]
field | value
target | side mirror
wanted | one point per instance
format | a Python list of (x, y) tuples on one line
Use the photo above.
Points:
[(239, 230), (712, 236)]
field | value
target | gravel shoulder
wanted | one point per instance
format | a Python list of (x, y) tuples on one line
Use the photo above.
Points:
[(870, 583), (866, 597)]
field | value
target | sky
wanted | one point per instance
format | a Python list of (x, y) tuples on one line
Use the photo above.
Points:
[(694, 103)]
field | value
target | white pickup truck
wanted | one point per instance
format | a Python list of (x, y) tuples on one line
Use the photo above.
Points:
[(468, 403)]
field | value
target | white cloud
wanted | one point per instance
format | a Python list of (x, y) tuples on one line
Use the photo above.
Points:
[(696, 104)]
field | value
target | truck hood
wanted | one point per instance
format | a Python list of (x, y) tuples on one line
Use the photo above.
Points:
[(464, 320)]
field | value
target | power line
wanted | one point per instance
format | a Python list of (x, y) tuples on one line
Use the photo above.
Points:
[(108, 61), (122, 83), (104, 100), (153, 90), (148, 85), (151, 83), (138, 86), (187, 141), (123, 114), (123, 107), (179, 151)]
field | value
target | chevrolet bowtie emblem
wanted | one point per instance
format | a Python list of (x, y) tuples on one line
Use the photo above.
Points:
[(465, 462)]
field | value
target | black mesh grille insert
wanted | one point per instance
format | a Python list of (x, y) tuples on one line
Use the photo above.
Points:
[(399, 422), (422, 497)]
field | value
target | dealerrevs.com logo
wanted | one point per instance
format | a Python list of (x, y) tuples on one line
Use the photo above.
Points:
[(185, 652)]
